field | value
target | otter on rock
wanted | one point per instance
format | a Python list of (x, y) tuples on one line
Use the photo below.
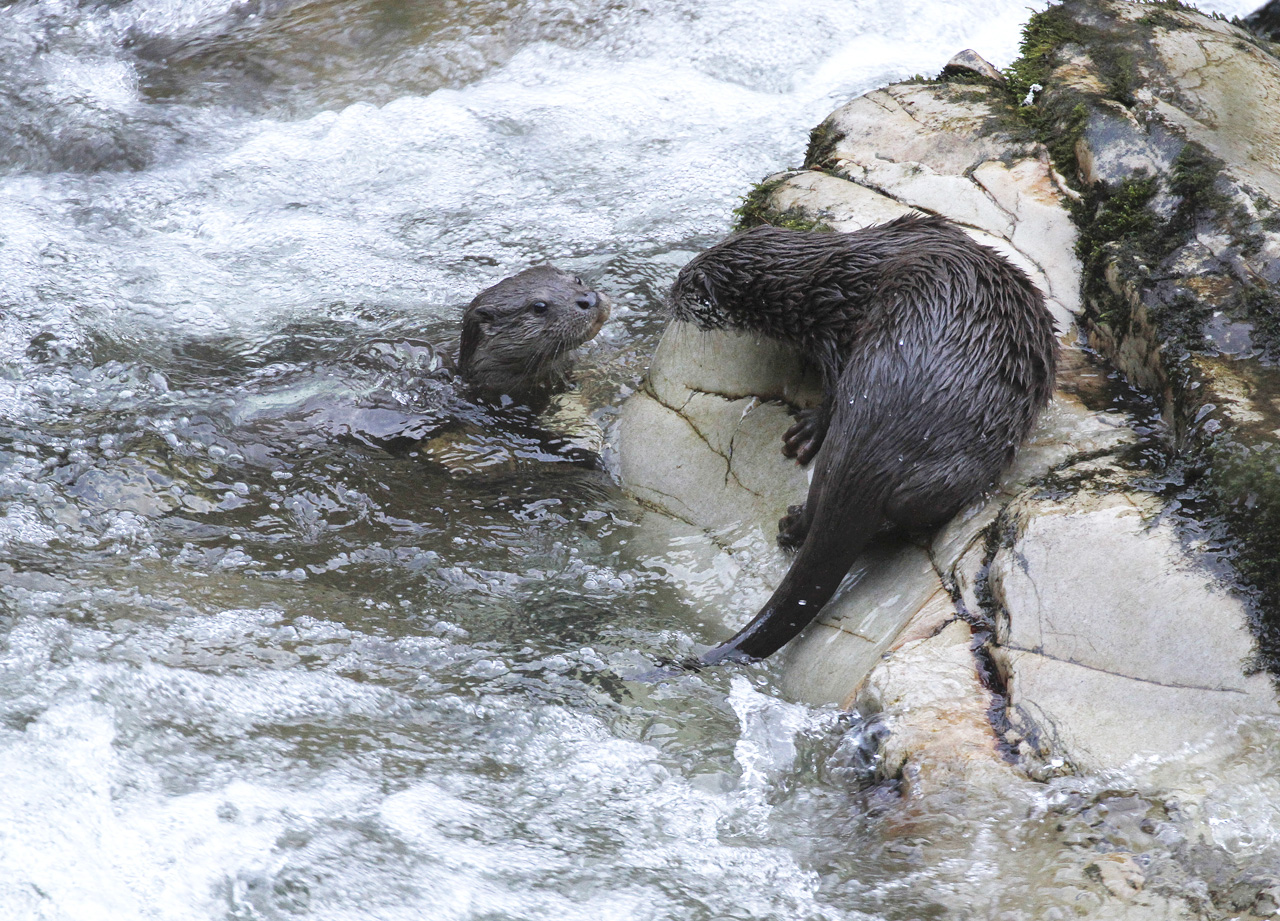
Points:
[(517, 334), (936, 356)]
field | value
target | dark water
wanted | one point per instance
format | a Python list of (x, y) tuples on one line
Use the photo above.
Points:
[(253, 664)]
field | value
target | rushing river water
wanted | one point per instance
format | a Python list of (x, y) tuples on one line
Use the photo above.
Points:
[(253, 665)]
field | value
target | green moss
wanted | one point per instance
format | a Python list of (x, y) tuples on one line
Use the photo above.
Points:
[(1121, 215), (1243, 484), (1060, 113), (1060, 122), (1159, 15), (1261, 305), (1120, 225), (1182, 321), (822, 144), (1044, 37), (1158, 18), (1194, 179), (957, 77), (757, 208), (1044, 34), (1112, 223)]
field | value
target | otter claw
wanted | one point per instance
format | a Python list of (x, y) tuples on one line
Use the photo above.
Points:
[(805, 436), (792, 528)]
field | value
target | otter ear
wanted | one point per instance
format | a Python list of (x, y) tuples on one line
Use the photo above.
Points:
[(473, 324), (481, 315)]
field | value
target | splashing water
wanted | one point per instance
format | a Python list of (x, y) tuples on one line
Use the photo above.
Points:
[(254, 664)]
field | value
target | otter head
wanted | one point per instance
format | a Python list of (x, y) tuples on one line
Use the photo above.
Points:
[(516, 336)]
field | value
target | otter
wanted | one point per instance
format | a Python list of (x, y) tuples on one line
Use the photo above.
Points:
[(936, 356), (513, 350), (517, 334)]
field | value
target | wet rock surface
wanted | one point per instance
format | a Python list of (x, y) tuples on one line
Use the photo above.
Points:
[(1115, 642), (1167, 121), (1068, 622)]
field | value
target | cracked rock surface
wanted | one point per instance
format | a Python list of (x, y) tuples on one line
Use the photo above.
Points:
[(1110, 637), (1115, 641)]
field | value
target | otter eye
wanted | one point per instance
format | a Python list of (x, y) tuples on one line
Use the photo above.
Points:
[(538, 306), (577, 280)]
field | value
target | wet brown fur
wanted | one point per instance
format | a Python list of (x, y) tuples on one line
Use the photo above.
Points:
[(517, 334), (937, 355)]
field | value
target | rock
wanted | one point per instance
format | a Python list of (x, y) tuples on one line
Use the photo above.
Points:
[(936, 708), (1117, 147), (951, 128), (730, 364), (970, 62), (1120, 873), (1167, 117), (1113, 642), (1200, 69), (843, 205), (891, 587), (944, 148), (1066, 562), (697, 443)]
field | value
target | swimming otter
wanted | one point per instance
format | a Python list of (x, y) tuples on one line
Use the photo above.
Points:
[(394, 394), (517, 334), (936, 356)]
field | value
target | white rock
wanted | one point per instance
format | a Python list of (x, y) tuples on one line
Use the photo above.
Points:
[(842, 204), (1209, 64), (1112, 639), (936, 709), (891, 586)]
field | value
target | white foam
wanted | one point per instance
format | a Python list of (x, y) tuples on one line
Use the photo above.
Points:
[(635, 141)]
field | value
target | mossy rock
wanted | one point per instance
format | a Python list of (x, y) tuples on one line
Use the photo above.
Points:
[(1153, 290)]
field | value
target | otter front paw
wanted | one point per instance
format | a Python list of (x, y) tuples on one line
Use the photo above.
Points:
[(805, 437), (792, 528)]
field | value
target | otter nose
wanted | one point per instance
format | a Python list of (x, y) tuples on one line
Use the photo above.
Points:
[(588, 301)]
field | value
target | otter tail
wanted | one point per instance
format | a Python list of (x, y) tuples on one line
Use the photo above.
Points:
[(835, 538)]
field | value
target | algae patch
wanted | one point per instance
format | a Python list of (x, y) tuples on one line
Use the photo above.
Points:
[(757, 208)]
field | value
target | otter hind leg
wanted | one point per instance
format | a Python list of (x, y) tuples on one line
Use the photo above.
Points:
[(805, 437), (793, 526)]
